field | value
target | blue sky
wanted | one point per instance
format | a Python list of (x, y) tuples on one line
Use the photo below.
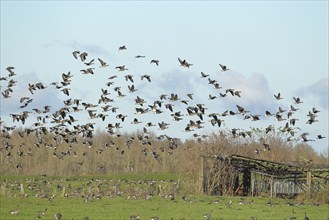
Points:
[(269, 46)]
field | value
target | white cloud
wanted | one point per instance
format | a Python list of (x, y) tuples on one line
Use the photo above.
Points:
[(317, 91)]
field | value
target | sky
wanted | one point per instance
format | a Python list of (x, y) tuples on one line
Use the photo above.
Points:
[(269, 47)]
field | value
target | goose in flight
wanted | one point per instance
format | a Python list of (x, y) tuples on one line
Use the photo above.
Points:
[(87, 71), (314, 110), (278, 96), (123, 47), (155, 61), (319, 136), (10, 70), (203, 75), (163, 125), (148, 77), (121, 68), (103, 63), (83, 56), (297, 100), (184, 63), (91, 62), (140, 56), (75, 54), (132, 88), (224, 68), (129, 77)]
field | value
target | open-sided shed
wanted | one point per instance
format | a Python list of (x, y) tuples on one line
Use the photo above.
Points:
[(235, 174)]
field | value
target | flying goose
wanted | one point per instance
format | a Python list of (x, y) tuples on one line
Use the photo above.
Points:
[(129, 77), (103, 63), (123, 47), (83, 56), (319, 136), (75, 54), (278, 96), (132, 88), (314, 110), (203, 75), (190, 95), (91, 62), (163, 125), (224, 68), (297, 100), (140, 56), (121, 68), (155, 61), (10, 70), (184, 63), (139, 101), (148, 77), (135, 121), (87, 71)]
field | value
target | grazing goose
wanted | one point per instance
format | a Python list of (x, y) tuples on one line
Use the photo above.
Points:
[(58, 216), (224, 68), (15, 211), (305, 217), (41, 213)]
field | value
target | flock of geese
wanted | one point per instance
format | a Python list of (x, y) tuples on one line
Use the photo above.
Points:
[(64, 124)]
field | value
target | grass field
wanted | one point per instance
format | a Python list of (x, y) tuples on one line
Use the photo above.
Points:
[(119, 198)]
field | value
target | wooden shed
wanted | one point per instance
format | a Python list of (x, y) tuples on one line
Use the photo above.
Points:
[(240, 175)]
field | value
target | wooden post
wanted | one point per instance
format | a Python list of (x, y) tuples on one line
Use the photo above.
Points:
[(252, 188), (308, 182), (201, 176), (22, 189), (271, 186)]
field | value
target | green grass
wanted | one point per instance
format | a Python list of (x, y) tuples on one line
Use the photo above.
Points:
[(124, 204), (121, 208)]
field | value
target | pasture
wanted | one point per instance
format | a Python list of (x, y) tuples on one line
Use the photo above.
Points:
[(144, 195)]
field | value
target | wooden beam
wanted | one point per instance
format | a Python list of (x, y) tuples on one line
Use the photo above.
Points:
[(309, 182)]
